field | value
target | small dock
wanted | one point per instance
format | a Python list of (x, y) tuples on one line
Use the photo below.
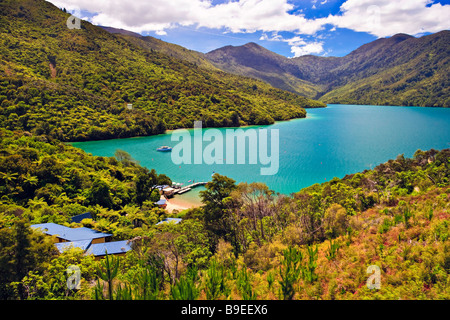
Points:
[(189, 187), (171, 191)]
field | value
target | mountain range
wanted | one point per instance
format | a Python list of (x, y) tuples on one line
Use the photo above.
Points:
[(399, 70)]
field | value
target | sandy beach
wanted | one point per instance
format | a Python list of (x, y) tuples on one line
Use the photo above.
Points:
[(179, 204)]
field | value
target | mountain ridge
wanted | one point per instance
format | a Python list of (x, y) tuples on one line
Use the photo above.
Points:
[(380, 72), (326, 74)]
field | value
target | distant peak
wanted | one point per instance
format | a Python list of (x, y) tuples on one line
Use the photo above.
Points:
[(252, 45), (401, 36)]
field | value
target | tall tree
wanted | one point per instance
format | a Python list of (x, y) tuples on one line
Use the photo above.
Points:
[(21, 250), (215, 198), (146, 182)]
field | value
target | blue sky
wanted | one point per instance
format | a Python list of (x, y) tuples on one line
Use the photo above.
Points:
[(290, 28)]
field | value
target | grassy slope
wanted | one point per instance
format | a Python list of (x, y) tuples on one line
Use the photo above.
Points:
[(414, 260)]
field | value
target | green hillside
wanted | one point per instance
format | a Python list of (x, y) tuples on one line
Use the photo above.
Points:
[(74, 84), (257, 62), (170, 49), (400, 70)]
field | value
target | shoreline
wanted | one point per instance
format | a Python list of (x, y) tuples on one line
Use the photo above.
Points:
[(180, 204), (169, 131)]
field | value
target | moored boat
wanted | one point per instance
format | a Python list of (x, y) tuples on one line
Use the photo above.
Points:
[(164, 149)]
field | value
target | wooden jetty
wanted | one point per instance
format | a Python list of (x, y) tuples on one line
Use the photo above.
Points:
[(182, 190), (189, 187)]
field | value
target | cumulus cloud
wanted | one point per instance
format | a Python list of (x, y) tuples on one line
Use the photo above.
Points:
[(299, 46), (378, 17), (384, 18), (307, 48), (234, 16)]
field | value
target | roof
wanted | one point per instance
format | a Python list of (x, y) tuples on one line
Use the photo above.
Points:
[(161, 202), (174, 220), (114, 247), (70, 234), (80, 217), (82, 244)]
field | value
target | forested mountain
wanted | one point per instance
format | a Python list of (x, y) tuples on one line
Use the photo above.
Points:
[(400, 70), (75, 84), (255, 61)]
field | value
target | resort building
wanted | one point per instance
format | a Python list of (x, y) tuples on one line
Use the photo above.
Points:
[(89, 240), (80, 217), (162, 203), (66, 234)]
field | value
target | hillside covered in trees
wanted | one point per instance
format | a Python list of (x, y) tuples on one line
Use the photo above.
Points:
[(245, 242), (75, 84), (400, 70)]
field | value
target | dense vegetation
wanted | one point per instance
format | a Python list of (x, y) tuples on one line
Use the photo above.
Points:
[(400, 70), (255, 61), (244, 243), (75, 84)]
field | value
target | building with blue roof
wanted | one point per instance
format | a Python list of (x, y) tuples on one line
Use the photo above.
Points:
[(82, 244), (89, 240), (162, 203), (64, 233), (80, 217), (115, 247)]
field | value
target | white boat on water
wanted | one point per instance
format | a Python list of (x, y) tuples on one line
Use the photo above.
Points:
[(164, 149)]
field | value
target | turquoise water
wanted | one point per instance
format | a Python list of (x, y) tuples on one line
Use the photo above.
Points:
[(330, 142)]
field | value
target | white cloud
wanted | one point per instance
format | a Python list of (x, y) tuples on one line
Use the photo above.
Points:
[(384, 18), (307, 48), (299, 46), (378, 17), (235, 16)]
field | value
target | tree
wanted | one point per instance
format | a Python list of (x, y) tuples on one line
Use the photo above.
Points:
[(235, 119), (146, 182), (100, 194), (215, 281), (184, 289), (124, 157), (21, 250), (254, 202), (335, 221), (215, 206), (180, 246), (290, 271), (108, 272), (9, 179)]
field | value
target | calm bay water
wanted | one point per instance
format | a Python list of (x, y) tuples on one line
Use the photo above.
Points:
[(330, 142)]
